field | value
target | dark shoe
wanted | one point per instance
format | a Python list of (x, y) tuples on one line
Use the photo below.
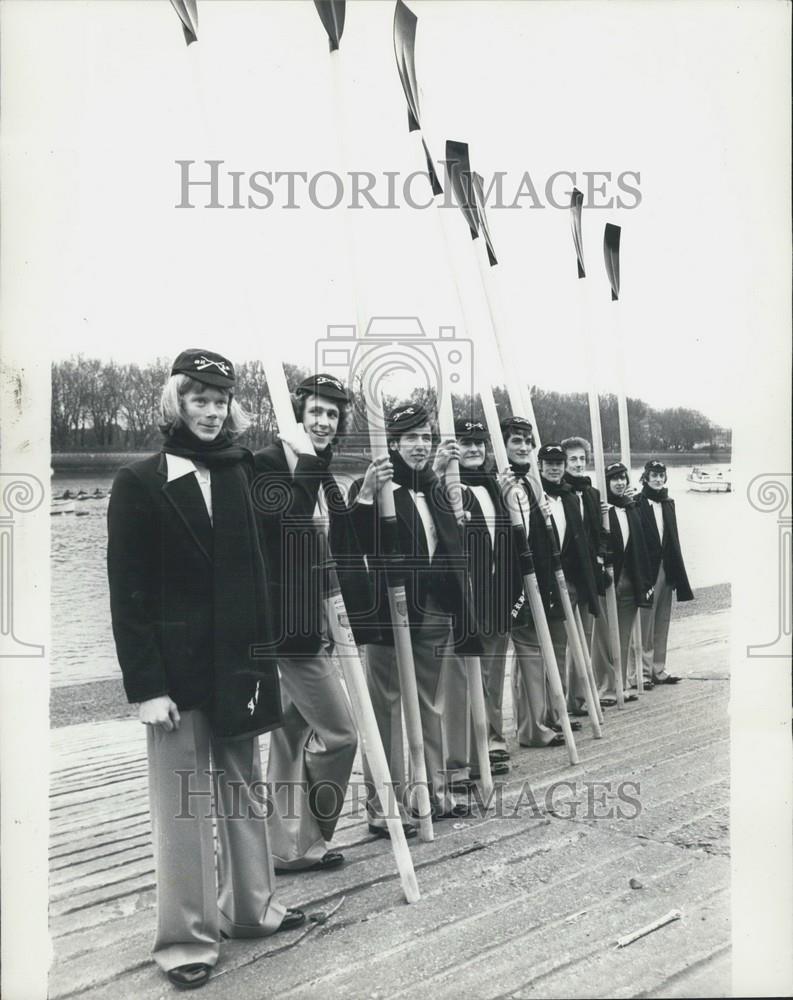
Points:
[(382, 831), (648, 684), (329, 860), (292, 919), (669, 679), (630, 697), (575, 726), (496, 767), (189, 977), (557, 741), (608, 702), (458, 811), (579, 713)]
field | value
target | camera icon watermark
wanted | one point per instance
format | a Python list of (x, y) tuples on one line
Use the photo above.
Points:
[(396, 357)]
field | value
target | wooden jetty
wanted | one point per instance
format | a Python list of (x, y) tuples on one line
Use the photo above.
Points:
[(526, 901)]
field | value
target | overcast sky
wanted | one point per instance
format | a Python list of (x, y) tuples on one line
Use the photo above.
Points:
[(677, 93)]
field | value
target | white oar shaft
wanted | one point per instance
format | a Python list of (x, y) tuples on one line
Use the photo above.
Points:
[(592, 684), (397, 603), (593, 400)]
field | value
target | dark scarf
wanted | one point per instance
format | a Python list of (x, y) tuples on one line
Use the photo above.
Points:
[(419, 480), (577, 483), (623, 501), (482, 477), (657, 495), (221, 451), (554, 489), (520, 470), (240, 606)]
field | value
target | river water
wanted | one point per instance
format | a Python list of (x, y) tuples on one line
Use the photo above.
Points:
[(82, 640)]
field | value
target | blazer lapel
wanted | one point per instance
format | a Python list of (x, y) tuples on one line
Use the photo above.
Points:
[(407, 512), (184, 495)]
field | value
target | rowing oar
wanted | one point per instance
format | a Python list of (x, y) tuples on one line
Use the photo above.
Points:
[(344, 640), (403, 46), (611, 255), (404, 50), (576, 204), (470, 195), (515, 498), (331, 13)]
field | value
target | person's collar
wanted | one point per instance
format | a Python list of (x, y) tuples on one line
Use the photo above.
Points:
[(179, 466)]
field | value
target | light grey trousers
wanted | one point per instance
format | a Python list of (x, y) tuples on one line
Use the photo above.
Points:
[(655, 626), (182, 793), (529, 689), (310, 761), (461, 742), (603, 665), (429, 644)]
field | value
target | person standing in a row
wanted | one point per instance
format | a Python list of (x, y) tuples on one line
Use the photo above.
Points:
[(302, 515), (578, 453), (632, 581), (494, 585), (190, 605), (438, 606), (657, 509)]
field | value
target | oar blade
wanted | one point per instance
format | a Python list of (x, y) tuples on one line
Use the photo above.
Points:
[(458, 171), (434, 179), (611, 253), (576, 204), (405, 22), (331, 13), (479, 198), (188, 15)]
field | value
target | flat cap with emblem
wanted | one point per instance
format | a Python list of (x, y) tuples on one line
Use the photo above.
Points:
[(471, 430), (514, 423), (205, 366), (406, 417), (551, 453), (323, 385)]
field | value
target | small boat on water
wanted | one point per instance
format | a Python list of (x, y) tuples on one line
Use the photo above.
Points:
[(62, 507), (701, 481)]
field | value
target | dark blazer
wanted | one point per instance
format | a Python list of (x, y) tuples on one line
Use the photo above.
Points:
[(635, 560), (446, 578), (284, 507), (160, 571), (491, 564), (575, 555), (597, 536), (670, 552)]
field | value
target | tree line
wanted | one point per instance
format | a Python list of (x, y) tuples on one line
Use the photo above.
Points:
[(106, 406)]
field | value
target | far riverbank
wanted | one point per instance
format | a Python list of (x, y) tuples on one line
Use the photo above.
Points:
[(109, 461)]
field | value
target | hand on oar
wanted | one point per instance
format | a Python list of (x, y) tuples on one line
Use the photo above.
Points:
[(380, 472), (448, 451)]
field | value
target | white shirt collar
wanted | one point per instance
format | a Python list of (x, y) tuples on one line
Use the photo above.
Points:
[(179, 466)]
